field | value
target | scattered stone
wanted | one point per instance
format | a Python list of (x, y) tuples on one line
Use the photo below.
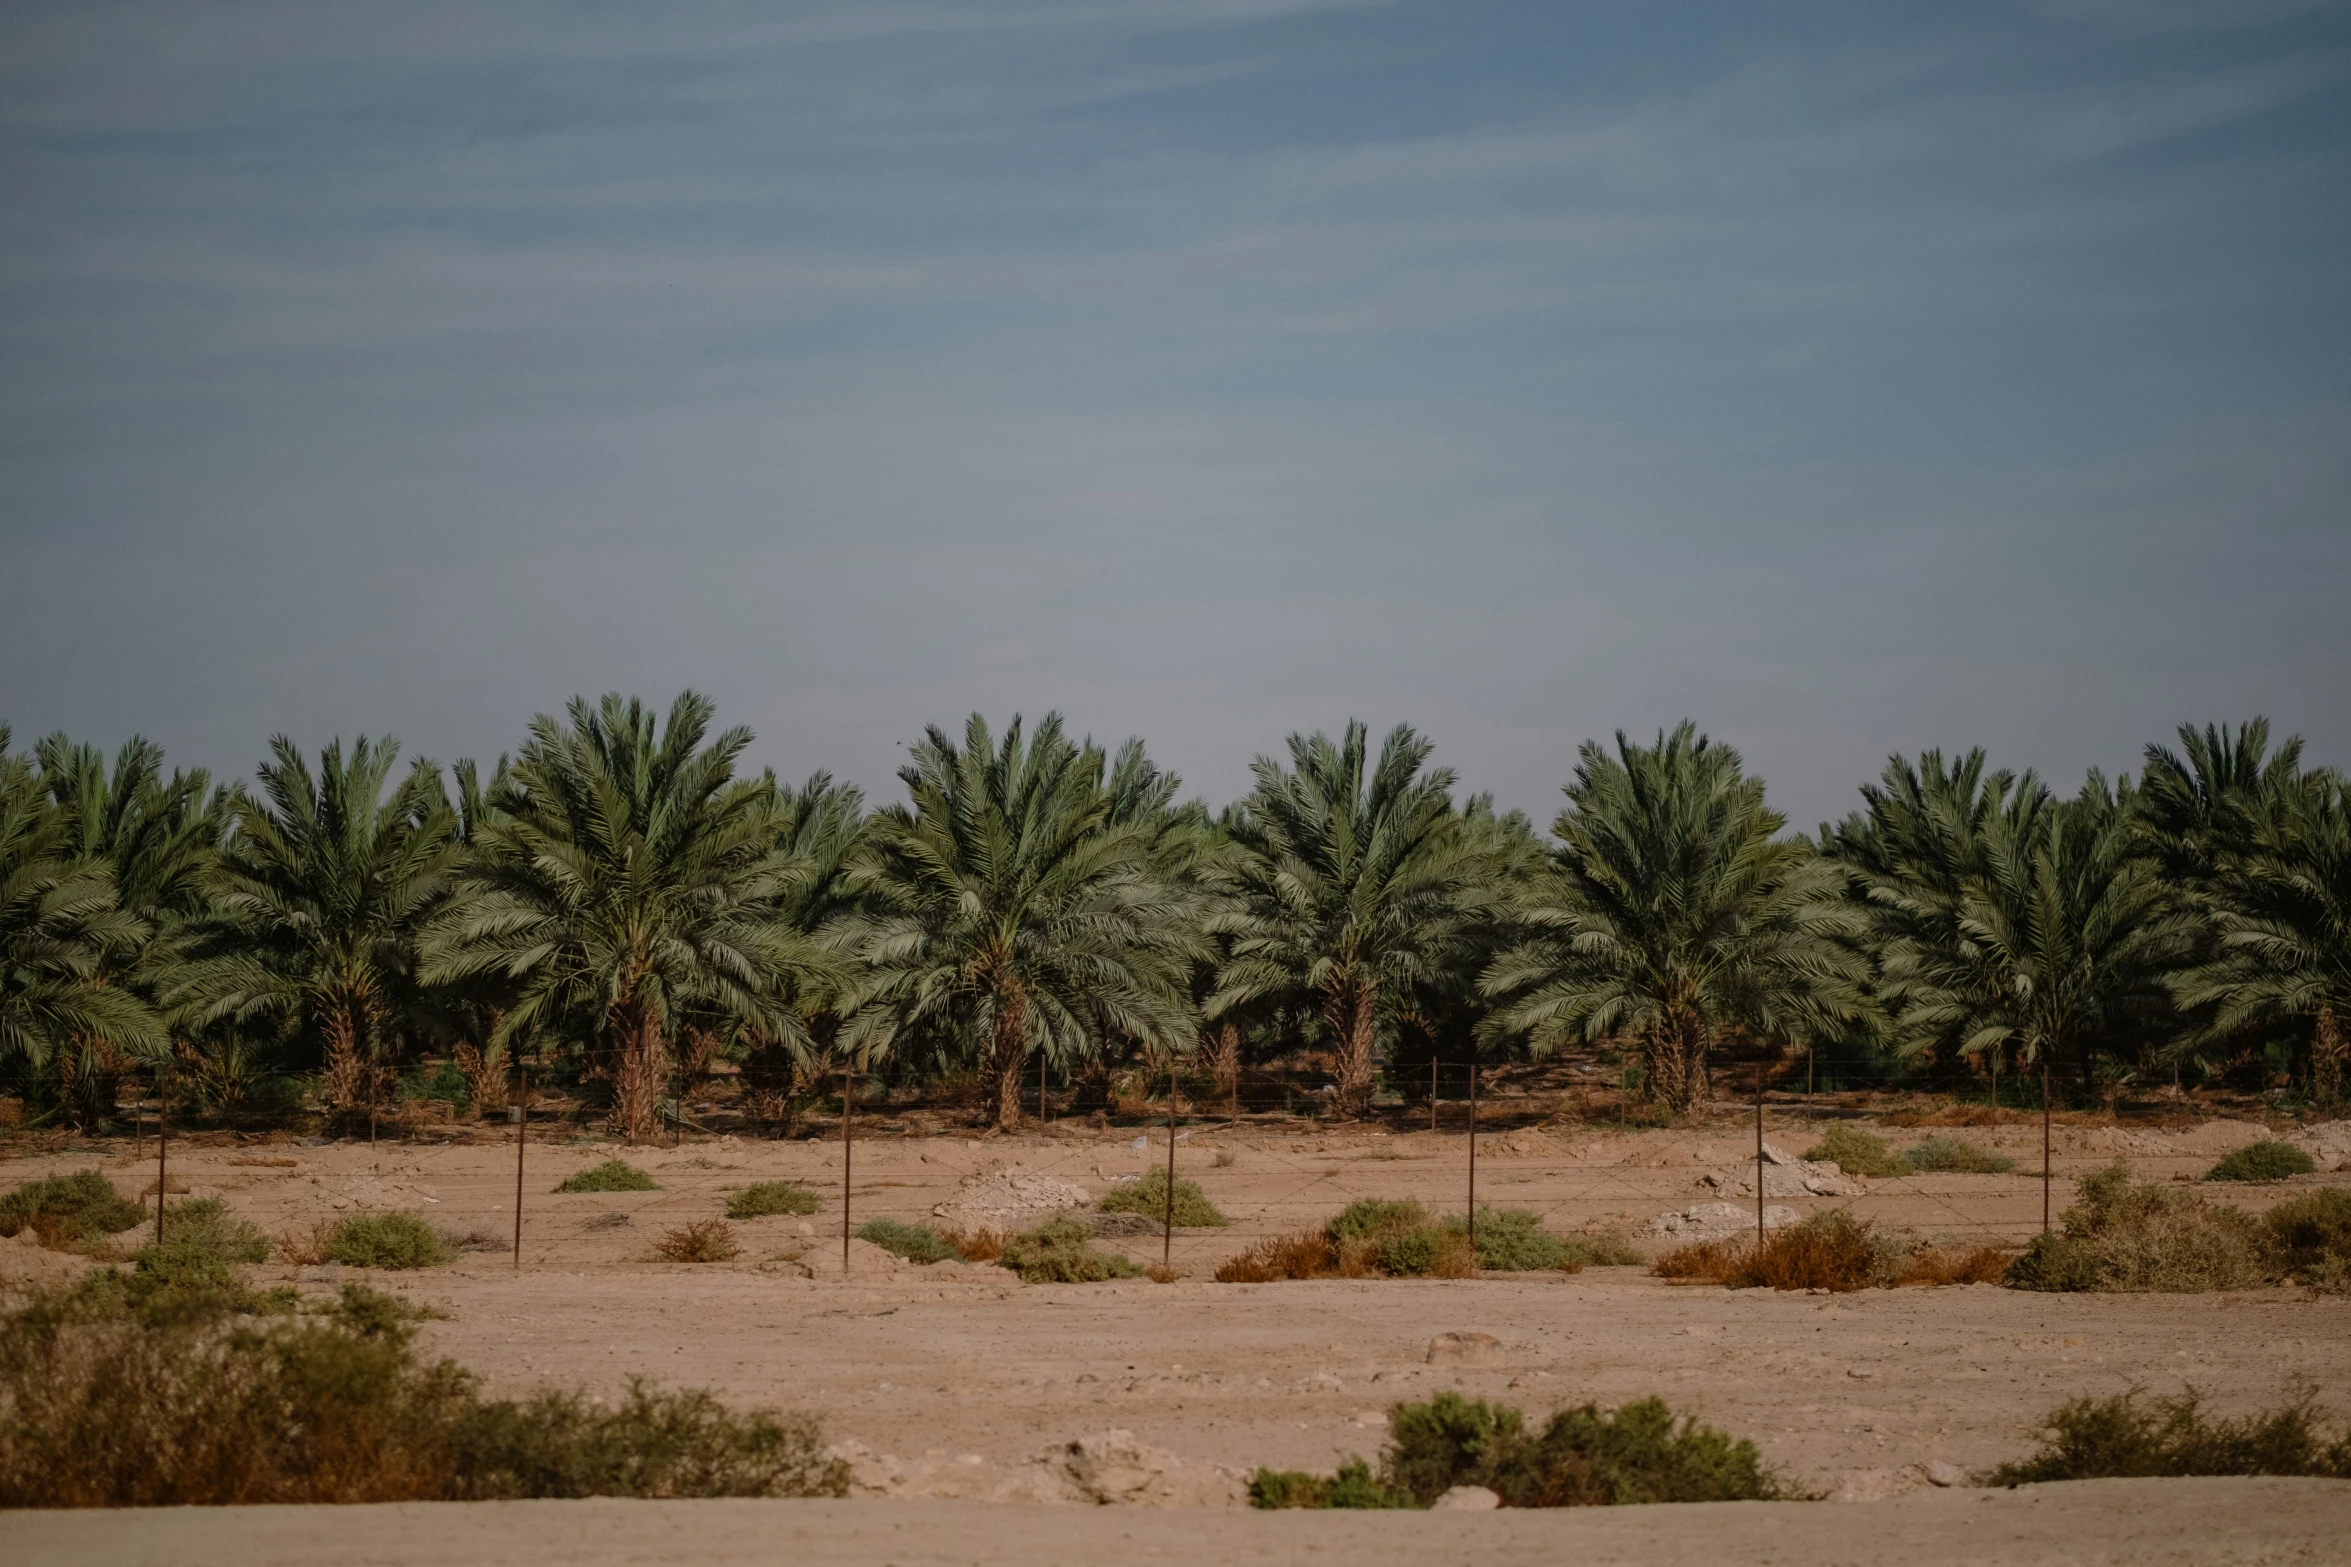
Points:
[(1464, 1349), (1708, 1221), (1466, 1499), (1941, 1473), (1008, 1200)]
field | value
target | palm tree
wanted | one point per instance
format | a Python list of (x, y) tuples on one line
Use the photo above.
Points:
[(2064, 936), (2280, 912), (60, 930), (1352, 890), (160, 842), (325, 885), (1023, 901), (1675, 914), (625, 885), (818, 828), (2200, 811)]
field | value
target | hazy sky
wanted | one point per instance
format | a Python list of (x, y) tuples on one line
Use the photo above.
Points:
[(1848, 378)]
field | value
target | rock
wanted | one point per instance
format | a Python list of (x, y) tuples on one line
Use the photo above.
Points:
[(1786, 1177), (1941, 1473), (1464, 1349), (1875, 1485), (1112, 1469), (1466, 1499), (1009, 1200), (1715, 1220)]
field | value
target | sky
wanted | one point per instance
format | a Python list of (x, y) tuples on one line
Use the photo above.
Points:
[(1847, 378)]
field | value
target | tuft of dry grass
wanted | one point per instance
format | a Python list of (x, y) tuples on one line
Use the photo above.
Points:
[(712, 1240), (2129, 1236), (1933, 1265), (1159, 1275), (976, 1245), (1308, 1254)]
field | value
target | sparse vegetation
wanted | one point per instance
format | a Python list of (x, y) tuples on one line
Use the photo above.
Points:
[(1857, 1152), (712, 1240), (2126, 1236), (1148, 1197), (2311, 1235), (2130, 1436), (1605, 1250), (613, 1175), (1513, 1240), (66, 1212), (1370, 1238), (1955, 1156), (2262, 1161), (915, 1242), (385, 1240), (103, 1404), (1063, 1252), (1581, 1458), (764, 1199), (1829, 1251), (207, 1223)]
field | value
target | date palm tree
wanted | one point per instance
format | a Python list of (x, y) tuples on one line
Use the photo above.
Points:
[(325, 884), (159, 839), (1674, 913), (1351, 888), (61, 932), (625, 883), (1023, 900)]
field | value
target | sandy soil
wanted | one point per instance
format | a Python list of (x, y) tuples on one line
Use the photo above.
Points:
[(2141, 1523), (957, 1381)]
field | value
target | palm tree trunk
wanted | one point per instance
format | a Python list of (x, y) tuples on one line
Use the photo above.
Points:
[(343, 1082), (1348, 1011), (1008, 1053), (1675, 1048), (2327, 1054), (1224, 1064), (643, 1071)]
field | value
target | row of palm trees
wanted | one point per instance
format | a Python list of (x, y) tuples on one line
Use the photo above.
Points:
[(621, 891)]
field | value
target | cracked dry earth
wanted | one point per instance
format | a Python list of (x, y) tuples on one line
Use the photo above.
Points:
[(956, 1381)]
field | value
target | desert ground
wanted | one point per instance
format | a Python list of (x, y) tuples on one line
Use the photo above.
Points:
[(955, 1383)]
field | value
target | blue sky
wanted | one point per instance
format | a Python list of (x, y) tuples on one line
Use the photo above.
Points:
[(1848, 378)]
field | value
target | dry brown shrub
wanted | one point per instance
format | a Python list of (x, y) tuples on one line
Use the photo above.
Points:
[(1933, 1265), (1457, 1258), (1159, 1275), (1305, 1255), (712, 1240), (306, 1248), (1706, 1262), (976, 1245)]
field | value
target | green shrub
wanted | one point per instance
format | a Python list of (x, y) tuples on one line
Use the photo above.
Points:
[(915, 1242), (110, 1407), (1148, 1197), (1513, 1240), (2312, 1236), (1857, 1152), (2262, 1161), (386, 1240), (207, 1224), (1603, 1251), (1354, 1486), (1063, 1252), (2126, 1236), (613, 1175), (765, 1198), (1581, 1458), (69, 1210), (2123, 1438), (1412, 1254), (1955, 1156), (1375, 1218)]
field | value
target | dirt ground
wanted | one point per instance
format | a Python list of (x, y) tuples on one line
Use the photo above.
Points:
[(2110, 1523), (956, 1381)]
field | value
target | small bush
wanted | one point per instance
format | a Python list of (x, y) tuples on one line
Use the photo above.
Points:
[(2123, 1438), (1148, 1197), (1063, 1252), (765, 1199), (66, 1211), (1955, 1156), (112, 1407), (207, 1223), (1708, 1262), (1354, 1486), (1308, 1255), (385, 1240), (1603, 1251), (2311, 1235), (613, 1175), (1513, 1240), (915, 1242), (712, 1240), (2262, 1161), (976, 1245), (1581, 1458), (1829, 1251), (2126, 1236), (1857, 1152), (1375, 1218)]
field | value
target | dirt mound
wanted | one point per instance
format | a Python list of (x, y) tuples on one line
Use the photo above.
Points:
[(1710, 1220), (1008, 1200), (1104, 1469)]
